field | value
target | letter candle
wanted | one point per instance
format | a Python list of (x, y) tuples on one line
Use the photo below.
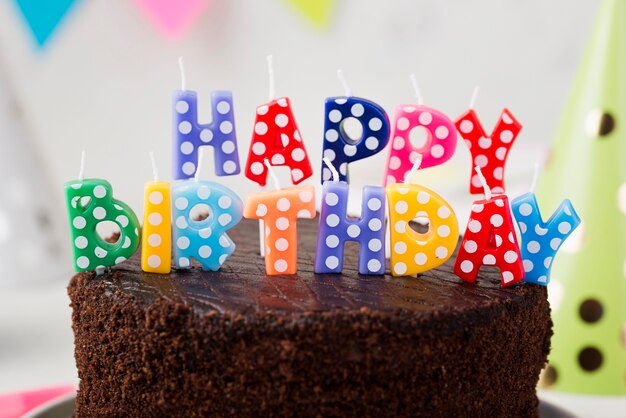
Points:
[(90, 202), (335, 228), (490, 240), (338, 146), (190, 135), (541, 240)]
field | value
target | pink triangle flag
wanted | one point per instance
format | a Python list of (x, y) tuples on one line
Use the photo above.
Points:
[(171, 17)]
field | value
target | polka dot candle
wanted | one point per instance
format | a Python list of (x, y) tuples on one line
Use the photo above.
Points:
[(490, 240), (204, 240), (438, 147), (541, 240), (279, 210), (338, 147), (190, 135), (335, 229), (156, 244), (489, 152), (413, 252), (276, 138), (90, 202)]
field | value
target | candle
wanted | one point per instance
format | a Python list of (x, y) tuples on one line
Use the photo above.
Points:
[(541, 240), (338, 146), (204, 240), (276, 138), (413, 252), (90, 202), (438, 147), (279, 209), (490, 240), (156, 234), (190, 135), (489, 152), (335, 228)]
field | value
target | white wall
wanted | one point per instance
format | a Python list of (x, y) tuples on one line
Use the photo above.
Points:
[(104, 81)]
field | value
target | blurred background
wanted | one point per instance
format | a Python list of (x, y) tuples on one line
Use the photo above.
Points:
[(103, 81)]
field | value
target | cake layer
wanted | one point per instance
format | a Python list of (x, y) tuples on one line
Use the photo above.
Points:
[(240, 343)]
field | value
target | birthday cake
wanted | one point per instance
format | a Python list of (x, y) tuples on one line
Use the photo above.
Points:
[(238, 342)]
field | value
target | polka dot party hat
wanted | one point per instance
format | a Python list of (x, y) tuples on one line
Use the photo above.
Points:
[(588, 287)]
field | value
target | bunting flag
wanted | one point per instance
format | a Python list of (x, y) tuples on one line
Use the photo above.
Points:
[(588, 287), (317, 12), (43, 16), (172, 17)]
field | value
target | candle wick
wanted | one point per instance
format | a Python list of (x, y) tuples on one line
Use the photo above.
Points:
[(474, 97), (196, 176), (271, 171), (344, 82), (533, 185), (483, 181), (155, 173), (416, 89), (332, 169), (81, 171), (183, 80), (270, 71), (413, 170)]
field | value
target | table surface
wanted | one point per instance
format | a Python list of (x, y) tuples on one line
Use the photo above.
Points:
[(37, 350)]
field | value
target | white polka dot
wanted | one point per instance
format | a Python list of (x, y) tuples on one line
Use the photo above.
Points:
[(402, 207), (206, 135), (298, 154), (354, 231), (507, 276), (281, 120), (154, 240), (256, 168), (100, 252), (341, 101), (400, 227), (82, 262), (184, 127), (525, 209), (481, 161), (296, 174), (203, 192), (155, 219), (79, 222), (555, 242), (332, 220), (522, 227), (374, 224), (506, 136), (375, 124), (305, 196), (122, 220), (228, 147), (371, 143), (533, 247), (182, 107), (99, 192), (119, 260), (399, 268), (374, 203), (394, 162), (540, 231), (280, 265), (330, 154), (261, 110), (528, 265), (423, 197), (283, 204), (409, 109), (442, 132), (349, 150), (437, 151), (496, 220), (332, 262), (81, 242), (489, 260), (189, 168), (510, 256), (186, 147), (181, 203), (223, 107), (501, 153), (484, 142), (467, 266), (441, 252), (258, 148), (478, 208), (205, 251), (470, 246), (425, 118), (126, 243), (420, 259), (332, 135), (225, 202), (155, 197), (334, 115), (374, 265), (154, 261), (400, 247), (476, 181), (205, 233), (498, 173), (184, 262), (547, 262), (474, 225), (282, 223), (99, 213), (466, 126), (278, 159), (282, 102), (332, 241), (281, 244), (183, 243), (331, 199), (402, 124), (224, 219), (443, 231), (260, 128), (443, 212), (357, 110), (564, 227), (374, 244)]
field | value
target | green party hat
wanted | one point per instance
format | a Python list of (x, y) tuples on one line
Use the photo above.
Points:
[(588, 165)]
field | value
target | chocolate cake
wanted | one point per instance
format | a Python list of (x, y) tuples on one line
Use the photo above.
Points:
[(240, 343)]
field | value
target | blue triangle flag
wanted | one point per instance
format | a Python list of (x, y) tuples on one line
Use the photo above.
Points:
[(43, 16)]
